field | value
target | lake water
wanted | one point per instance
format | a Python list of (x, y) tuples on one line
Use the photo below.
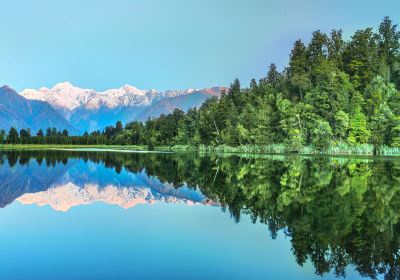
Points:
[(110, 215)]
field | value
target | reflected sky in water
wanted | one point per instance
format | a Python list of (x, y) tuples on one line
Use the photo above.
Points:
[(116, 216)]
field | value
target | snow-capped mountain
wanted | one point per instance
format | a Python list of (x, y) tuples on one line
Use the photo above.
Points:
[(66, 96), (88, 109), (62, 95)]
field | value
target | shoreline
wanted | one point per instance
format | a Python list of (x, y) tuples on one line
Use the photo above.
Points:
[(185, 149)]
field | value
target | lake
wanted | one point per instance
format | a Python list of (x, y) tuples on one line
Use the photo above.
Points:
[(111, 215)]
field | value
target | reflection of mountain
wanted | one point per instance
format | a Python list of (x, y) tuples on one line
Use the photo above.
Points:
[(27, 178), (63, 185), (64, 197)]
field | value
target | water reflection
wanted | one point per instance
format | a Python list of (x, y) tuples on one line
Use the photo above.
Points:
[(53, 178), (337, 211)]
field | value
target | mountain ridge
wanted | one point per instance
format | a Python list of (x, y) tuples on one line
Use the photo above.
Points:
[(66, 95), (89, 110), (19, 112)]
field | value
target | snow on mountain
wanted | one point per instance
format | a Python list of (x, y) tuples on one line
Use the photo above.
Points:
[(66, 96), (62, 95)]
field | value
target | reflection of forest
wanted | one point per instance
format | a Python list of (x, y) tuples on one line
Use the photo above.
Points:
[(337, 211)]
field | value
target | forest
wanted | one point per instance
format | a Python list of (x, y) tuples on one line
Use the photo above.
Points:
[(335, 96)]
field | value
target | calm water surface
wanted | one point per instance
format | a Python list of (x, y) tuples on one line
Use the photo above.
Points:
[(110, 215)]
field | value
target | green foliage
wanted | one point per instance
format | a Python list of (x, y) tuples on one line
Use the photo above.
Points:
[(321, 135), (13, 136), (358, 128), (342, 125), (395, 132)]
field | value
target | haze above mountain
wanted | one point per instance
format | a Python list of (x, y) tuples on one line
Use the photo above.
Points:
[(89, 110)]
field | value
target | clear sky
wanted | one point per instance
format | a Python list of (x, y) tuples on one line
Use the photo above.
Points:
[(161, 44)]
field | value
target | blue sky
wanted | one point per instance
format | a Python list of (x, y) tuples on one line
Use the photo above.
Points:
[(161, 44)]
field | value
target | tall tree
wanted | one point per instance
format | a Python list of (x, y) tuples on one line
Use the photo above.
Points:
[(3, 136), (317, 51), (361, 58), (359, 133), (336, 46), (389, 46), (298, 70), (13, 136), (274, 77)]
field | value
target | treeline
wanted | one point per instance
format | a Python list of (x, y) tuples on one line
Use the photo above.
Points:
[(58, 137), (333, 94)]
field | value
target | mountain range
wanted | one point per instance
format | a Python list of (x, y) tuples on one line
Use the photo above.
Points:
[(79, 110)]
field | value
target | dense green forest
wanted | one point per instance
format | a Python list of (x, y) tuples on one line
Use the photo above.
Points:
[(335, 96)]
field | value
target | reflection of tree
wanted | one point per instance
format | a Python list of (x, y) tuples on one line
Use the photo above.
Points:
[(337, 211)]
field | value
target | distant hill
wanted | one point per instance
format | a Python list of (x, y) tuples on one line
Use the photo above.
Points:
[(183, 102)]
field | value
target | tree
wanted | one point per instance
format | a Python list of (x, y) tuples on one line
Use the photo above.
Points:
[(40, 133), (389, 45), (295, 140), (24, 134), (321, 134), (359, 134), (137, 132), (317, 50), (292, 125), (298, 70), (336, 46), (377, 93), (3, 136), (380, 126), (395, 132), (342, 124), (361, 58), (118, 126), (13, 136), (48, 132), (235, 93), (274, 77)]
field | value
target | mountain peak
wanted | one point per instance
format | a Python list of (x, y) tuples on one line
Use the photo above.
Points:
[(63, 85), (129, 88), (6, 88)]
